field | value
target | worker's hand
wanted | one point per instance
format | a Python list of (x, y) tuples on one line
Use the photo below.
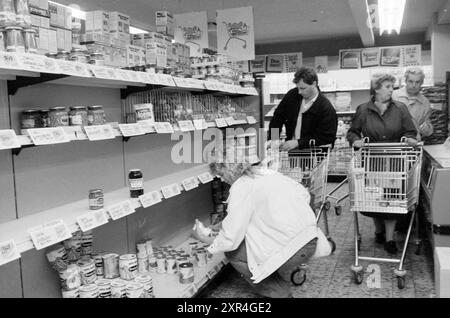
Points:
[(289, 145), (358, 143), (411, 142), (197, 234)]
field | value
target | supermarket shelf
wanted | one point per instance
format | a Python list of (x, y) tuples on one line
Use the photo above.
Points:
[(68, 213)]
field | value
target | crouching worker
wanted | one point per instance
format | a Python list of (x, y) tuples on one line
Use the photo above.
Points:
[(269, 230)]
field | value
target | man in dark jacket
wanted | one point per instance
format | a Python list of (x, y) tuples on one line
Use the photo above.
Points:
[(306, 113)]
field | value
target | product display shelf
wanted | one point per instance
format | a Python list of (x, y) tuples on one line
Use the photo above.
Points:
[(17, 230)]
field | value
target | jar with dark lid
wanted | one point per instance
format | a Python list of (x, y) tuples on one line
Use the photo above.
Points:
[(96, 115), (44, 118), (136, 183), (78, 55), (14, 39), (58, 116), (96, 199), (97, 59), (29, 36), (30, 119), (78, 116), (63, 55), (52, 55), (2, 40)]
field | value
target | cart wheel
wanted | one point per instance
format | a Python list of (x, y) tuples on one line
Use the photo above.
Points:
[(333, 245), (359, 276), (400, 282), (338, 209), (298, 277), (418, 249)]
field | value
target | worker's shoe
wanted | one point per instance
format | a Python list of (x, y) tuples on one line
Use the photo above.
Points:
[(391, 247)]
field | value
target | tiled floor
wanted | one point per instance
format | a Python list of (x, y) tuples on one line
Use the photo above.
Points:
[(331, 277)]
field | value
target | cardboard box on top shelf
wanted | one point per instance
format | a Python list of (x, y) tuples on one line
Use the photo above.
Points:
[(161, 55), (68, 40), (42, 4), (97, 22), (119, 26), (150, 53), (165, 23), (42, 40), (135, 56), (68, 19), (52, 41)]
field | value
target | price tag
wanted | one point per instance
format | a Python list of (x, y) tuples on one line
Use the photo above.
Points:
[(251, 120), (48, 136), (205, 177), (99, 132), (49, 234), (10, 60), (34, 62), (73, 68), (181, 82), (128, 130), (164, 128), (210, 85), (190, 291), (123, 75), (120, 210), (103, 72), (230, 121), (200, 124), (186, 125), (132, 75), (218, 267), (221, 122), (8, 139), (211, 273), (8, 252), (253, 91), (150, 199), (92, 220), (171, 191), (164, 79), (190, 183)]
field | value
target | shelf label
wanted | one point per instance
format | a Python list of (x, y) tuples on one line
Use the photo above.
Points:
[(186, 125), (34, 62), (10, 60), (251, 120), (120, 210), (99, 132), (8, 139), (133, 76), (190, 183), (147, 126), (230, 121), (164, 128), (181, 82), (211, 273), (171, 191), (49, 234), (190, 291), (92, 220), (73, 68), (210, 85), (200, 124), (123, 75), (221, 122), (48, 136), (103, 72), (164, 79), (205, 177), (129, 130), (8, 252), (150, 199)]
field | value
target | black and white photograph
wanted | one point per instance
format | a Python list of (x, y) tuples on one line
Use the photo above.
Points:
[(391, 56), (350, 58)]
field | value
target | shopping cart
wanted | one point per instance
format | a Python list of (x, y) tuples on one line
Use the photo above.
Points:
[(190, 34), (310, 168), (384, 178), (235, 30)]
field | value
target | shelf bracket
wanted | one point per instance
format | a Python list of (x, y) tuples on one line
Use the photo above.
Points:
[(126, 139), (17, 151), (23, 81), (125, 92)]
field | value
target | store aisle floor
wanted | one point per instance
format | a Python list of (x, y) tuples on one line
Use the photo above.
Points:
[(330, 277)]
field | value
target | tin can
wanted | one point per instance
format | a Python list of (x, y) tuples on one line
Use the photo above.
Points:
[(161, 263), (147, 282), (29, 119), (70, 277), (96, 199), (118, 289), (136, 183), (128, 266), (152, 264), (186, 273), (98, 260), (97, 59), (57, 257), (78, 55), (78, 116), (143, 264), (44, 118), (89, 291), (14, 39), (86, 243), (181, 260), (201, 257), (192, 248), (73, 247), (171, 265), (104, 288), (96, 115), (141, 248), (58, 116), (63, 55), (111, 265), (149, 246), (88, 271), (74, 293), (135, 290), (29, 36)]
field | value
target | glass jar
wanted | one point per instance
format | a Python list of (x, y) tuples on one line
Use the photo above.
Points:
[(29, 119), (63, 55), (58, 116), (136, 183), (96, 115), (52, 55), (159, 70), (14, 39), (29, 36), (78, 116), (7, 13), (97, 59), (44, 119), (96, 199), (2, 40), (23, 17), (78, 55)]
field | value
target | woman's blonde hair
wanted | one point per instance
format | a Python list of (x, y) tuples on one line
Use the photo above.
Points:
[(377, 80), (236, 169)]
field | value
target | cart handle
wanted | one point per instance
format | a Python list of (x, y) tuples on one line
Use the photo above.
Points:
[(402, 143)]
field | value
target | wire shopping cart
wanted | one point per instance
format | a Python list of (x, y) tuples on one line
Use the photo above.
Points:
[(384, 178), (190, 34), (235, 30), (310, 168)]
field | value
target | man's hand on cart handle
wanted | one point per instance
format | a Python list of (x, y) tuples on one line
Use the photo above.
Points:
[(289, 145), (358, 143), (411, 142)]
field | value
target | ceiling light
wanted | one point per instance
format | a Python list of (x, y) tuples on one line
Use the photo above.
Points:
[(76, 12), (134, 30), (390, 14)]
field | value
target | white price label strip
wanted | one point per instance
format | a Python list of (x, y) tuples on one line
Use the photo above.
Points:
[(190, 183), (164, 79), (103, 72), (99, 132), (186, 125), (200, 124), (251, 120), (8, 252), (129, 130), (147, 126), (123, 75), (190, 291), (211, 273), (8, 139), (10, 60), (171, 191), (151, 79), (150, 199), (164, 128), (230, 121), (49, 234), (48, 136), (34, 62), (92, 220), (205, 177), (120, 210), (221, 122), (73, 68)]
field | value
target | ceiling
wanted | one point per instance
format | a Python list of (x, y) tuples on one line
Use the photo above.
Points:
[(275, 21)]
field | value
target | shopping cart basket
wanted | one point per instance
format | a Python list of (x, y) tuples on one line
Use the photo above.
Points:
[(235, 30), (310, 168), (384, 178), (190, 34)]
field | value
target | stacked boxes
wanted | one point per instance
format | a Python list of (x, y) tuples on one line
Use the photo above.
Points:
[(46, 37), (119, 26), (135, 56), (61, 24), (97, 22), (165, 23)]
